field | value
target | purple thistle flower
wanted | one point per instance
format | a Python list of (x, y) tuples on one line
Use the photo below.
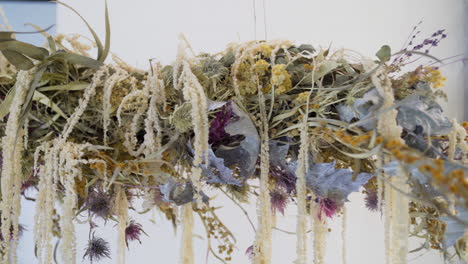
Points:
[(98, 203), (97, 249), (372, 201), (283, 177), (327, 207), (217, 134), (250, 252), (279, 200), (133, 232)]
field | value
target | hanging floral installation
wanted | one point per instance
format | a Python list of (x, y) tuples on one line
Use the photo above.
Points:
[(271, 121)]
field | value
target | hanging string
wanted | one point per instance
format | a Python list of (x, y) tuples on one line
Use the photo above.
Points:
[(255, 19), (264, 20)]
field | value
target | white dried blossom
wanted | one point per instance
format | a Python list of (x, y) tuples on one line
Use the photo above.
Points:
[(109, 84)]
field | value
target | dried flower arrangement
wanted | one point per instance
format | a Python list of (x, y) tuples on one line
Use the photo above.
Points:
[(307, 125)]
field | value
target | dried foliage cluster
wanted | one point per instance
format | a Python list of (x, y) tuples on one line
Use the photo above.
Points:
[(287, 123)]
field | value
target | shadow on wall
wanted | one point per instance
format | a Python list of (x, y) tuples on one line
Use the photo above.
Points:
[(40, 13)]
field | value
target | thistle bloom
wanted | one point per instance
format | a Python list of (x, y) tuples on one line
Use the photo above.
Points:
[(133, 232), (283, 178), (279, 199), (97, 249), (327, 207), (250, 252), (98, 203), (372, 201)]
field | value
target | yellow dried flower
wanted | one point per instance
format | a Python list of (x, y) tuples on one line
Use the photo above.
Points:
[(261, 67), (246, 86), (301, 98), (266, 50), (434, 76), (281, 79)]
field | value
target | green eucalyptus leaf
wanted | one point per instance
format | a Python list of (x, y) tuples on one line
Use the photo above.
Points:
[(5, 105), (6, 35), (43, 99), (52, 45), (384, 53), (18, 60), (28, 100), (24, 48), (105, 52), (78, 86), (76, 59)]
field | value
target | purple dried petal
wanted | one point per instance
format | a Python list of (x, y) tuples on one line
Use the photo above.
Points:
[(217, 134), (133, 232), (283, 177), (327, 207), (279, 200), (250, 252)]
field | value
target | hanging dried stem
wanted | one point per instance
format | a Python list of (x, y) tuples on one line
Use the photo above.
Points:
[(12, 149)]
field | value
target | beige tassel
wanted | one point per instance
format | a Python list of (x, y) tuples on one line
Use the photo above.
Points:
[(186, 251), (396, 204), (12, 147), (262, 246), (122, 212), (319, 235), (301, 226)]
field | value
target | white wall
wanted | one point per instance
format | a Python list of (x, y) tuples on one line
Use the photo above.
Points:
[(149, 29)]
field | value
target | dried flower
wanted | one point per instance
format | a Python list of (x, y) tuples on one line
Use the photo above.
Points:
[(283, 177), (261, 67), (281, 79), (97, 249), (372, 201), (98, 203), (217, 134), (327, 207), (133, 232), (279, 200), (250, 252)]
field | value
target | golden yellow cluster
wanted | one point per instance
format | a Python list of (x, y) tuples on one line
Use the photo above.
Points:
[(261, 67), (246, 86), (281, 79), (301, 98), (455, 181), (434, 76), (266, 50), (354, 140), (400, 151), (308, 67)]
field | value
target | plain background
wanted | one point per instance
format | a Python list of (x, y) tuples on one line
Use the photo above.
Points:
[(149, 29)]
